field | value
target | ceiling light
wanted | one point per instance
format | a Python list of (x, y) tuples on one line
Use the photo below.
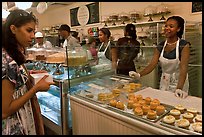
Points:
[(23, 5)]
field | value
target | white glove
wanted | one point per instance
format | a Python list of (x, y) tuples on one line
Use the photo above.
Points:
[(134, 74), (181, 94)]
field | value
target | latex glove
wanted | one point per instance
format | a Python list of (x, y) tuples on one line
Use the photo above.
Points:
[(181, 94), (134, 74)]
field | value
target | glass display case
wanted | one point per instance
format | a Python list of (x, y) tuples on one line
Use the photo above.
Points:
[(68, 68)]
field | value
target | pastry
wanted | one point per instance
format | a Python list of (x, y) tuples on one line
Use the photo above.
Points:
[(142, 102), (132, 86), (188, 116), (131, 96), (145, 109), (116, 92), (192, 110), (130, 104), (197, 127), (169, 119), (90, 95), (113, 103), (176, 113), (138, 85), (136, 105), (102, 96), (56, 58), (151, 114), (139, 97), (148, 100), (160, 110), (120, 105), (183, 123), (156, 100), (153, 105), (180, 108), (198, 118), (110, 96), (138, 111)]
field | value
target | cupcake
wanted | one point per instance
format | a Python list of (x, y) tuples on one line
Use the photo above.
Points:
[(176, 113), (153, 105), (151, 114), (169, 119), (102, 97), (197, 127), (156, 100), (145, 109), (198, 118), (148, 100), (136, 105), (116, 92), (131, 96), (139, 97), (120, 105), (160, 110), (142, 102), (113, 103), (192, 110), (138, 111), (130, 104), (180, 108), (183, 123), (188, 116)]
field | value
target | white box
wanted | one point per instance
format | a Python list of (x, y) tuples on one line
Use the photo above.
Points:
[(39, 76)]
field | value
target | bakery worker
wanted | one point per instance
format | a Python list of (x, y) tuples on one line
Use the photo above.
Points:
[(40, 42), (173, 56), (65, 33), (104, 50)]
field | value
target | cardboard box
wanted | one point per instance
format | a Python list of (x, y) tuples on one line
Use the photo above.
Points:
[(39, 76)]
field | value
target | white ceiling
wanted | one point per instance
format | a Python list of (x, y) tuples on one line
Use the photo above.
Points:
[(34, 5)]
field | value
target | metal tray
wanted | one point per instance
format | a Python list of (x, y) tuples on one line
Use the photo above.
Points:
[(188, 131), (130, 113)]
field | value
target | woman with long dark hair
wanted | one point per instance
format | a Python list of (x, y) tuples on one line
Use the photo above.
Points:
[(20, 109)]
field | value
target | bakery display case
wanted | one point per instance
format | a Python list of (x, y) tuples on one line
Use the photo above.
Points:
[(104, 117)]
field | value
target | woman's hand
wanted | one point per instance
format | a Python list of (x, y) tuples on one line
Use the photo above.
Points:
[(43, 85)]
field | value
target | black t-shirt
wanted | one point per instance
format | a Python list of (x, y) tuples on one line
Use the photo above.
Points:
[(172, 54), (127, 49)]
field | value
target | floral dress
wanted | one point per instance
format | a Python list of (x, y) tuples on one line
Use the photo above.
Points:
[(22, 121)]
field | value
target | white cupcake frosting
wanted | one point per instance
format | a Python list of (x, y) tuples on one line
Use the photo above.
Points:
[(169, 119), (175, 112), (193, 110), (183, 123), (188, 115), (179, 107), (198, 117), (197, 126)]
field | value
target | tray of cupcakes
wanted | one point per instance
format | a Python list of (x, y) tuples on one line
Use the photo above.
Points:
[(187, 120), (135, 106)]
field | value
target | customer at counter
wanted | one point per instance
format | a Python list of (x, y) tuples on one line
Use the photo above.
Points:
[(173, 57), (65, 33), (104, 50), (40, 42), (20, 110), (125, 51)]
